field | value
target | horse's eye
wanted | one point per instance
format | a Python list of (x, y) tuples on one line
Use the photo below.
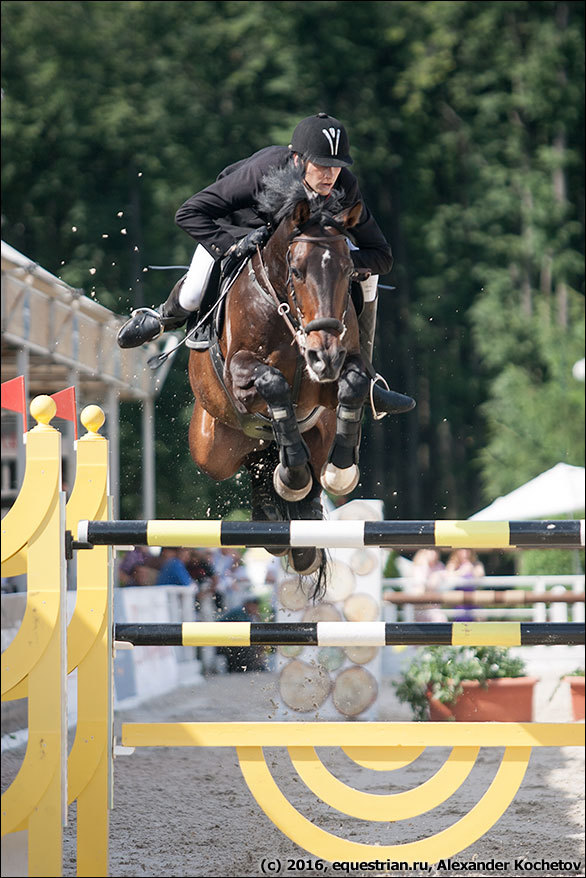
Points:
[(296, 273)]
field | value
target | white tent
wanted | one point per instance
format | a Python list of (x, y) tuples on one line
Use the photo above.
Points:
[(579, 370), (558, 491)]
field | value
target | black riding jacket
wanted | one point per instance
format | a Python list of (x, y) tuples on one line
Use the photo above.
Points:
[(227, 210)]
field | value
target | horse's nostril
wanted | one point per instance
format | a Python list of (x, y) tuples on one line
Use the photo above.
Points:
[(325, 363), (340, 357), (316, 361)]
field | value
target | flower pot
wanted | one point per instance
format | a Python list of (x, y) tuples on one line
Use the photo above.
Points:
[(508, 699), (577, 692)]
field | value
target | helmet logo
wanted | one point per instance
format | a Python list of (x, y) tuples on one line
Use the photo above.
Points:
[(333, 137)]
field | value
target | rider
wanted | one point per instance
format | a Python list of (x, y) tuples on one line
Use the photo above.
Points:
[(225, 222)]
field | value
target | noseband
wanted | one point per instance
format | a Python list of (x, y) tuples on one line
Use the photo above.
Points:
[(295, 323)]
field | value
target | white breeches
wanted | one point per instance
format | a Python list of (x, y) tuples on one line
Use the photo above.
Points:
[(369, 288), (196, 279)]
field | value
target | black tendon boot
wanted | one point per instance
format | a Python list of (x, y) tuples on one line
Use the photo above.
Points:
[(146, 324)]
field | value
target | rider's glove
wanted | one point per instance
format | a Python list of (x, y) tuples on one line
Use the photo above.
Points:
[(249, 243)]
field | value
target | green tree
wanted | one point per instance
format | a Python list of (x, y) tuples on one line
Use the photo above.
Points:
[(466, 122)]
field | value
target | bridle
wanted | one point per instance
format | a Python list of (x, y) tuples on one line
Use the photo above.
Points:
[(294, 322)]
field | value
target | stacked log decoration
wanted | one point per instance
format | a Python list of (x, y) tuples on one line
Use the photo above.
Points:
[(333, 681)]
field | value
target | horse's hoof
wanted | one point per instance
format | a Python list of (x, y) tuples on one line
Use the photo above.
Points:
[(339, 481), (278, 553), (292, 495), (305, 561)]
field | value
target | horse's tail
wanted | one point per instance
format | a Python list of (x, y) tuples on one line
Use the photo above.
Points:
[(311, 563), (321, 578)]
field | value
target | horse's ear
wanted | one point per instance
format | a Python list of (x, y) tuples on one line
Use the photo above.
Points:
[(351, 216), (301, 213)]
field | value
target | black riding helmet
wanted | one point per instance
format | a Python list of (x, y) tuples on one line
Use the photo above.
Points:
[(323, 140)]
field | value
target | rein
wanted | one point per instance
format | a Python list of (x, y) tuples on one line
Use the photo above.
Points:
[(282, 307)]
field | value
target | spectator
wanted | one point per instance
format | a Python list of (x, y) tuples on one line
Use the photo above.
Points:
[(272, 579), (173, 569), (200, 565), (233, 580), (428, 572), (463, 564), (225, 561), (137, 568), (202, 572), (13, 584), (142, 575), (240, 585), (428, 569)]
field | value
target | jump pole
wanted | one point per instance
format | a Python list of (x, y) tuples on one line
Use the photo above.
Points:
[(349, 633), (407, 535)]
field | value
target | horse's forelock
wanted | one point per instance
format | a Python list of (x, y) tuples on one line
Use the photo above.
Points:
[(282, 191)]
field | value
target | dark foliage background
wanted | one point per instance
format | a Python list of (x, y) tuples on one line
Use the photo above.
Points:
[(467, 126)]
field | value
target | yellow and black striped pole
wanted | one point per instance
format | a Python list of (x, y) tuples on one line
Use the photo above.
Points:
[(336, 534), (349, 633)]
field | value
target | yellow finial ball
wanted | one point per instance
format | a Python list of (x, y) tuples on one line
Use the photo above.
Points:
[(43, 409), (92, 417)]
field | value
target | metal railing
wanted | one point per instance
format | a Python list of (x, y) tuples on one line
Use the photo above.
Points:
[(557, 610)]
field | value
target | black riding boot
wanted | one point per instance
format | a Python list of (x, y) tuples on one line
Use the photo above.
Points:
[(367, 329), (384, 401), (146, 324)]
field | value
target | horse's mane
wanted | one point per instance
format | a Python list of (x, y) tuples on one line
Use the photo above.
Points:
[(283, 189)]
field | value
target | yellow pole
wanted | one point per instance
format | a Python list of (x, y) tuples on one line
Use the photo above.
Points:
[(89, 649), (36, 798)]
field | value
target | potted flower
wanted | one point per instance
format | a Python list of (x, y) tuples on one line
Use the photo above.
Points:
[(469, 684), (576, 681)]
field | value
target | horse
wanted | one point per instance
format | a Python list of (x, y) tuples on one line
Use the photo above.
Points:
[(282, 388)]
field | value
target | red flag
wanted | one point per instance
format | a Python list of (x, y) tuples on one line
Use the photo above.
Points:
[(14, 398), (66, 407)]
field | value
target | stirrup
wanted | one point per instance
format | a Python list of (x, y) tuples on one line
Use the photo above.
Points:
[(390, 402), (145, 310), (378, 416)]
